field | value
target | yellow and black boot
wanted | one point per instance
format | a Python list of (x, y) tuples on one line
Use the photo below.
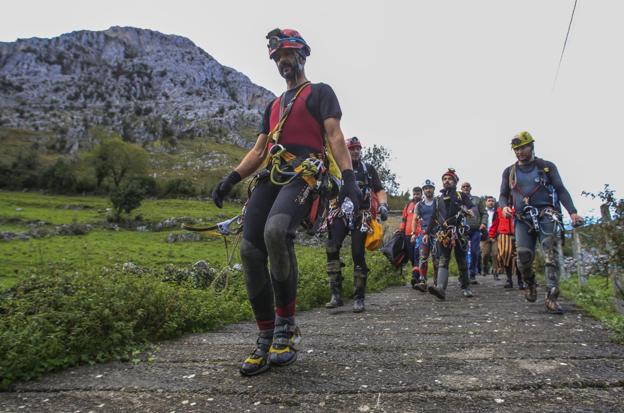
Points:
[(257, 362), (286, 339)]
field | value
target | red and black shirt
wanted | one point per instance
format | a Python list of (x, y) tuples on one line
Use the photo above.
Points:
[(303, 131)]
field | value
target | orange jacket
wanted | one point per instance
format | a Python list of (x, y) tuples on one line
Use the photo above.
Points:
[(408, 218), (501, 225)]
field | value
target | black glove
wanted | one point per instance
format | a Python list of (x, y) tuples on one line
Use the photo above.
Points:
[(383, 211), (224, 187), (350, 189)]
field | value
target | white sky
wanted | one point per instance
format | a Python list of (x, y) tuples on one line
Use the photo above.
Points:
[(440, 83)]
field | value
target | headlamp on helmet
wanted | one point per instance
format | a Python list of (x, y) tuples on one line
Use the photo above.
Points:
[(428, 183), (286, 39), (521, 139)]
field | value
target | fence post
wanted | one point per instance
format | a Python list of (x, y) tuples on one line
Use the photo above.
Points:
[(577, 248), (614, 270)]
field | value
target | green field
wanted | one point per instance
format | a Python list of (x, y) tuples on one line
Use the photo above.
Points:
[(100, 247)]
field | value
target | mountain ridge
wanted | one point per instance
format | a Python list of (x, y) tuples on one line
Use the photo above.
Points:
[(140, 83)]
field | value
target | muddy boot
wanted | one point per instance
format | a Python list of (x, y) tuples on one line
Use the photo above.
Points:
[(521, 285), (286, 338), (336, 294), (414, 282), (334, 273), (509, 283), (257, 362), (359, 282), (531, 292), (467, 292), (439, 290), (422, 285), (550, 302)]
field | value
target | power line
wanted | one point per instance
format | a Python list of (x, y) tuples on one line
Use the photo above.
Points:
[(564, 46)]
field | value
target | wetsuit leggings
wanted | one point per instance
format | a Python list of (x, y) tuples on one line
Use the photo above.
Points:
[(444, 255), (338, 230), (272, 216), (426, 249), (525, 246)]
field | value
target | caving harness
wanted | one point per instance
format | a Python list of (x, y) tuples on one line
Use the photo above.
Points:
[(451, 235)]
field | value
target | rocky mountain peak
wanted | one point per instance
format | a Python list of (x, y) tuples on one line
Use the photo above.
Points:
[(143, 84)]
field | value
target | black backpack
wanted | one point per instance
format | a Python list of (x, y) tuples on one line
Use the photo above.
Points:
[(394, 249)]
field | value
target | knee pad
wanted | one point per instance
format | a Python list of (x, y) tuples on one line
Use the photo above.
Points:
[(525, 258), (276, 232)]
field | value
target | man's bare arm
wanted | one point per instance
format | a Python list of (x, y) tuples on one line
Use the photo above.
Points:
[(254, 158), (337, 144)]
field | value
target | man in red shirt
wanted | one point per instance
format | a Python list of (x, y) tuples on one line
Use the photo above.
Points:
[(502, 232), (296, 127)]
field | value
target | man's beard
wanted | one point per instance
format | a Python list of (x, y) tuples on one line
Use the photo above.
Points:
[(292, 73)]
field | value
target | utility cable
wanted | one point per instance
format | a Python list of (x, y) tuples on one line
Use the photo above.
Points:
[(564, 46)]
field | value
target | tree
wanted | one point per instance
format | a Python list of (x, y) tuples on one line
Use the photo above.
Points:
[(126, 198), (118, 160), (379, 157)]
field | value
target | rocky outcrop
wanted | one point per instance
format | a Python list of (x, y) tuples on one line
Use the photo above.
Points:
[(142, 84)]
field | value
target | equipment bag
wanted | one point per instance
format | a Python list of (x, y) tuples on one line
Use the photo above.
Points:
[(374, 239), (394, 249)]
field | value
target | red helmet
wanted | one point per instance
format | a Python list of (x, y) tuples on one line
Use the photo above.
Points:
[(451, 172), (286, 39), (353, 142)]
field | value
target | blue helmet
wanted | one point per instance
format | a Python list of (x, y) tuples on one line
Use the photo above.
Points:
[(428, 182)]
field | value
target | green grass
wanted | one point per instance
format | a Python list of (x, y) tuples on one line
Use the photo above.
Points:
[(597, 299), (70, 303)]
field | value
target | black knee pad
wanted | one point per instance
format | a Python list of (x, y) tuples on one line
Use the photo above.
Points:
[(276, 232), (525, 258)]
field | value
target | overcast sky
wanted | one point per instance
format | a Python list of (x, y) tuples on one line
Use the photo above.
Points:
[(439, 83)]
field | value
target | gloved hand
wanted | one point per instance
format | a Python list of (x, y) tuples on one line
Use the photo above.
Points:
[(224, 187), (350, 189), (382, 210)]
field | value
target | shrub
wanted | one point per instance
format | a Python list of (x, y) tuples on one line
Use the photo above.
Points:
[(55, 320), (60, 177), (126, 198), (179, 186), (147, 184)]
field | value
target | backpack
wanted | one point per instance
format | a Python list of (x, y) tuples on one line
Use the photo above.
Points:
[(394, 249)]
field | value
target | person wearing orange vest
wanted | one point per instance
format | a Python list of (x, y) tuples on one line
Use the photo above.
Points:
[(502, 233), (295, 130), (409, 226)]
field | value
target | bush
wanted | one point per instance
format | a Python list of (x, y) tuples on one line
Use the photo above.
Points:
[(126, 198), (55, 320), (180, 186), (147, 184), (60, 177)]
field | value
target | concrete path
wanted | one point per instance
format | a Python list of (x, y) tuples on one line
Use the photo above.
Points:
[(407, 352)]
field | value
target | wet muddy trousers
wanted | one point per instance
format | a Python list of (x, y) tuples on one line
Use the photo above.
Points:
[(426, 250), (526, 241), (338, 231), (444, 256), (272, 216)]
